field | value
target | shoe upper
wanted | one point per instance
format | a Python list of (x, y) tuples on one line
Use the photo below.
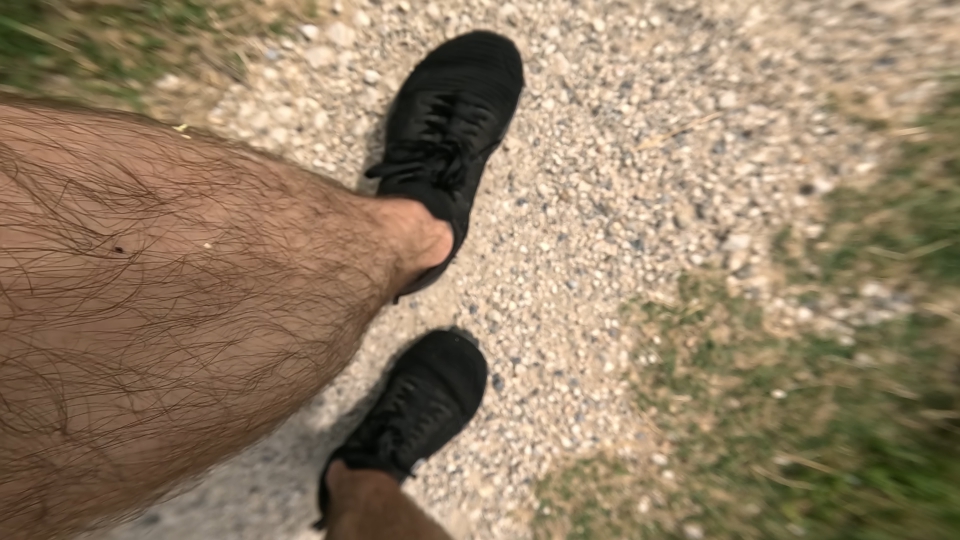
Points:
[(394, 440), (432, 393), (453, 109), (450, 115)]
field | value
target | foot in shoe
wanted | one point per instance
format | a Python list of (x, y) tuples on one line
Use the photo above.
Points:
[(448, 118), (432, 392)]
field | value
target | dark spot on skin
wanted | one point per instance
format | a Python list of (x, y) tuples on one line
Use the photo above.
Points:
[(118, 249)]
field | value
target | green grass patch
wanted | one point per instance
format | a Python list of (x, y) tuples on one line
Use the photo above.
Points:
[(805, 434), (907, 225), (566, 511), (90, 48), (775, 436)]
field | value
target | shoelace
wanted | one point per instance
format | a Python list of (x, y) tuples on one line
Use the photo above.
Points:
[(388, 421), (444, 162)]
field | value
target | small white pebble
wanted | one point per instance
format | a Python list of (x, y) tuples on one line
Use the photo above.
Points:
[(319, 121), (862, 359), (797, 530), (361, 19), (659, 459), (310, 31), (872, 289), (371, 77), (727, 100), (778, 394), (693, 531)]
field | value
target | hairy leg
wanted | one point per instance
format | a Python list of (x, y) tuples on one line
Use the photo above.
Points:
[(165, 301), (368, 505)]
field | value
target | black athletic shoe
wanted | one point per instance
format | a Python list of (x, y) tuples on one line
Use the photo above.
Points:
[(448, 118), (433, 391)]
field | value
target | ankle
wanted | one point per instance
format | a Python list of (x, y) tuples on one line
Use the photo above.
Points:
[(419, 240), (351, 488)]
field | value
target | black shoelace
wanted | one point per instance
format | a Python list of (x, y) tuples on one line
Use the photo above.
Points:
[(389, 424), (444, 163), (437, 155)]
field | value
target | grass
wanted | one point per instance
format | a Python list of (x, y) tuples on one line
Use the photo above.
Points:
[(607, 513), (776, 436), (855, 449), (908, 224), (85, 49)]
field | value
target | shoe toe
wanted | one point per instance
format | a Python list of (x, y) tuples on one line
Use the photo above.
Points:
[(453, 358)]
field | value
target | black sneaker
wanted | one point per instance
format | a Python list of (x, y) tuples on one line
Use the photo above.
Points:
[(448, 118), (433, 391)]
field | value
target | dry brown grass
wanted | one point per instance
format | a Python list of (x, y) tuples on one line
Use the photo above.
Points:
[(110, 51)]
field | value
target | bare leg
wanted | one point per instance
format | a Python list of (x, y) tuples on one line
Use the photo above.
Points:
[(368, 505), (165, 301)]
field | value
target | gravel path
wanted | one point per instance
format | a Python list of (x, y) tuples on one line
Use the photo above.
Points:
[(653, 137)]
